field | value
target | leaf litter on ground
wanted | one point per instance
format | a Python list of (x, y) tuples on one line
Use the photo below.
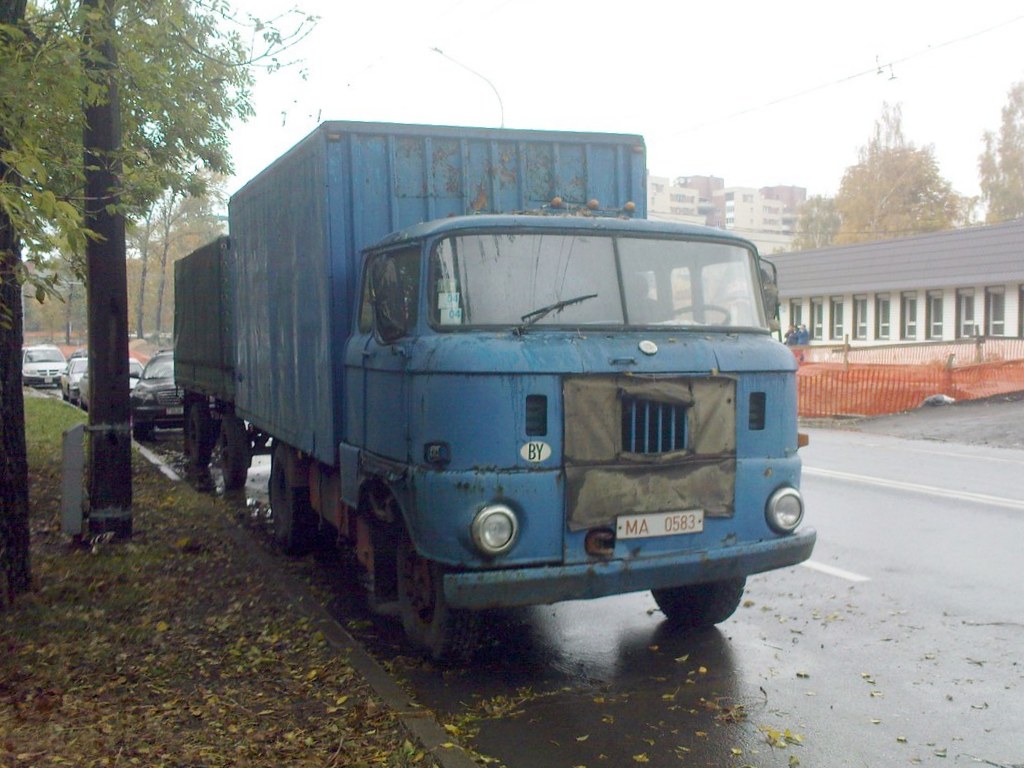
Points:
[(171, 648)]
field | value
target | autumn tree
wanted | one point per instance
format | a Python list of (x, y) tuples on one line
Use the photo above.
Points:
[(173, 226), (1001, 165), (183, 76), (818, 223), (895, 189)]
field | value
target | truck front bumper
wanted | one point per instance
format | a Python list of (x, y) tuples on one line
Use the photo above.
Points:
[(600, 578)]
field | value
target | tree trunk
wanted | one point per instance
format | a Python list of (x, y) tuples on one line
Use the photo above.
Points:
[(140, 304), (161, 288), (15, 560), (170, 217)]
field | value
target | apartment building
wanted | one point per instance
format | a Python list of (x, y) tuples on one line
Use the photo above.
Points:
[(767, 215), (942, 286)]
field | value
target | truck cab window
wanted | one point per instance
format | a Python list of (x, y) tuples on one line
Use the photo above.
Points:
[(394, 288)]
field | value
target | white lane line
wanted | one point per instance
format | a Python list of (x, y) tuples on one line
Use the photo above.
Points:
[(833, 571), (931, 490), (158, 462)]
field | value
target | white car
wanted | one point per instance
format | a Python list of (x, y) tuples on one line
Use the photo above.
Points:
[(41, 365)]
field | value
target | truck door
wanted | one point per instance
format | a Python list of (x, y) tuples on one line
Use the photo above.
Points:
[(393, 298)]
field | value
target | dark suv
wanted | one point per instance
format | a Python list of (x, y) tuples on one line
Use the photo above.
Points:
[(156, 401)]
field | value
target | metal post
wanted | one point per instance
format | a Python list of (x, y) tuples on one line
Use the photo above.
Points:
[(110, 478)]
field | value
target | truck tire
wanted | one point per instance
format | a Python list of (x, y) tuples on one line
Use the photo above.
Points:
[(234, 455), (200, 433), (700, 605), (291, 512), (447, 634)]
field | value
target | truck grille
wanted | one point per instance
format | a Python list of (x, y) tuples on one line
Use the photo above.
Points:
[(652, 427)]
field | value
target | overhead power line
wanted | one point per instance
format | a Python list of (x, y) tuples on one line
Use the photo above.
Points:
[(878, 68)]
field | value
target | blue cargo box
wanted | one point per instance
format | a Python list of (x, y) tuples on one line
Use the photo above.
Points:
[(298, 229)]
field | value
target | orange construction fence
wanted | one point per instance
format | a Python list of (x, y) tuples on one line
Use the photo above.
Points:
[(835, 389)]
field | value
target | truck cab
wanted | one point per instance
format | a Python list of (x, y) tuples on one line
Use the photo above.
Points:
[(542, 408)]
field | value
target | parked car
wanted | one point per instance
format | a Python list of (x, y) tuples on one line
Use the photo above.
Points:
[(134, 372), (156, 400), (70, 378), (84, 390), (41, 365)]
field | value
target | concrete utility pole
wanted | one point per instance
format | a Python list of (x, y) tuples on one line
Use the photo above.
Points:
[(110, 467)]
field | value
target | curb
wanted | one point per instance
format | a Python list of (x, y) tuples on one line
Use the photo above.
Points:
[(416, 721)]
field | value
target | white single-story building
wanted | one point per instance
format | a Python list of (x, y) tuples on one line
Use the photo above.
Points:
[(942, 286)]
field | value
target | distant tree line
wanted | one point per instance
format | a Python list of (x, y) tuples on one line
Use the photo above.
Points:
[(895, 188)]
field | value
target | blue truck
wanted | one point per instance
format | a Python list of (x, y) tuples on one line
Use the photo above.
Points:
[(478, 365)]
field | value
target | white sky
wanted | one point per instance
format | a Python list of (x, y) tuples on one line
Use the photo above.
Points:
[(758, 93)]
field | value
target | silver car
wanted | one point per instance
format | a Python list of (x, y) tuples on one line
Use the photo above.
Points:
[(71, 378)]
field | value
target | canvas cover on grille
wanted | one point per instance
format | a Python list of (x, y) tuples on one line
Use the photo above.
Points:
[(604, 481)]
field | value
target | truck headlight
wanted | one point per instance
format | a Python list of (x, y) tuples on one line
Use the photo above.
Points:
[(494, 529), (784, 510)]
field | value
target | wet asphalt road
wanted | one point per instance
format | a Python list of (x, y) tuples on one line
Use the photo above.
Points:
[(903, 644)]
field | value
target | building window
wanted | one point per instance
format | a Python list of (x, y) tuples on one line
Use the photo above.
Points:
[(995, 311), (860, 317), (1020, 312), (908, 311), (835, 309), (882, 316), (933, 315), (818, 318), (965, 313), (796, 313)]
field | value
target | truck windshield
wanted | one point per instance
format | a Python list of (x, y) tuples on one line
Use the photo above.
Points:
[(517, 279)]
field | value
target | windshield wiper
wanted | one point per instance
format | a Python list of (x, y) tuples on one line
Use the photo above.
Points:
[(538, 314)]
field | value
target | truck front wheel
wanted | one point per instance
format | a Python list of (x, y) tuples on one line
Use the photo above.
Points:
[(445, 633), (700, 605), (291, 511)]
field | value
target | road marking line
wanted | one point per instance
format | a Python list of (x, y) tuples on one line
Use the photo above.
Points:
[(833, 571), (931, 490)]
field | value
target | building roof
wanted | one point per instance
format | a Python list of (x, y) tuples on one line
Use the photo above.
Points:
[(958, 257)]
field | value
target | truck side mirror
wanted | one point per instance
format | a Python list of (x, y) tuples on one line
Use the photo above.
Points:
[(770, 290)]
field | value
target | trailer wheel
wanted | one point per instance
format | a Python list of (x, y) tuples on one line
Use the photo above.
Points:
[(700, 605), (445, 633), (291, 511), (200, 433), (233, 456)]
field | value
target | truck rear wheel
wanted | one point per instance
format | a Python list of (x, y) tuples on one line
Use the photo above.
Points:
[(700, 605), (433, 626), (233, 456), (291, 511)]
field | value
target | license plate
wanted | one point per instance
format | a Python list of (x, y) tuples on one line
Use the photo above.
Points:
[(659, 524), (48, 380), (176, 410)]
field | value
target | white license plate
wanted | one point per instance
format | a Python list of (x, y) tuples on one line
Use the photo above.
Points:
[(176, 410), (48, 380), (659, 524)]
